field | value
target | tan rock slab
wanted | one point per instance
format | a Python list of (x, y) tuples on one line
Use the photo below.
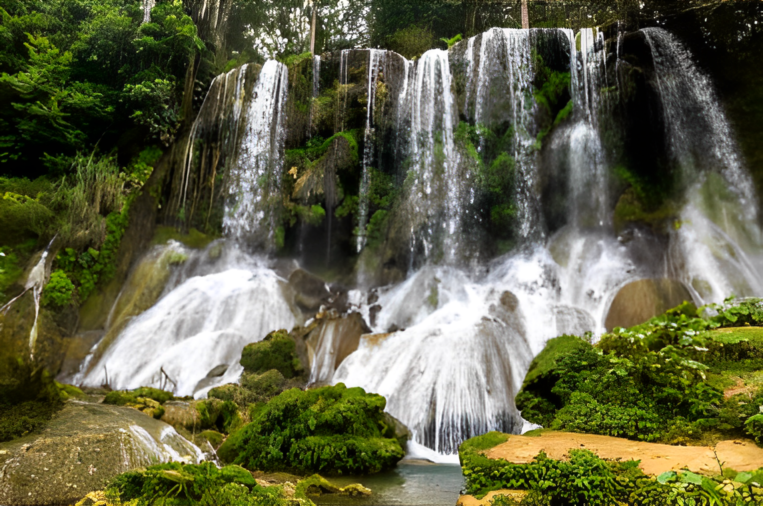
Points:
[(740, 455)]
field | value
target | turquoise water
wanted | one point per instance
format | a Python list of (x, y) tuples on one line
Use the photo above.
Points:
[(410, 484)]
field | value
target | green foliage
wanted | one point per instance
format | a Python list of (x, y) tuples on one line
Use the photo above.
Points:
[(452, 42), (77, 74), (70, 392), (754, 427), (329, 430), (587, 479), (29, 397), (219, 415), (412, 41), (59, 290), (277, 351), (733, 313), (649, 382), (201, 485)]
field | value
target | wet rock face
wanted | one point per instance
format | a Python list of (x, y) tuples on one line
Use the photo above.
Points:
[(331, 342), (641, 300), (82, 449)]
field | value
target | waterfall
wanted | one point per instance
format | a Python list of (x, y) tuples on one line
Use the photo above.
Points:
[(221, 298), (219, 301), (588, 181), (376, 59), (435, 200), (698, 134), (254, 180), (240, 133)]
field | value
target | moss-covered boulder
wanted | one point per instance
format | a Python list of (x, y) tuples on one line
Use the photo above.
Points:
[(536, 401), (332, 430), (145, 399), (277, 351)]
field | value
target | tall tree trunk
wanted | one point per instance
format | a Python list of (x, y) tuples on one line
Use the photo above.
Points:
[(525, 15), (312, 30)]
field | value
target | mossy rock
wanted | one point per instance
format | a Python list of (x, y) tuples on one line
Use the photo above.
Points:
[(218, 414), (267, 384), (70, 392), (332, 430), (214, 438), (234, 393), (277, 351), (535, 399), (145, 399), (176, 484)]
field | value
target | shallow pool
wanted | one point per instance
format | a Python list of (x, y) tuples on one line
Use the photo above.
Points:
[(410, 484)]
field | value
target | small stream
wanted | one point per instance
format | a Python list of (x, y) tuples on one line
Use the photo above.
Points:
[(411, 483)]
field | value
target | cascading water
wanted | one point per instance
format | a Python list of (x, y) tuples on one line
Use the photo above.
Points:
[(219, 301), (254, 180), (450, 346), (435, 200), (223, 297), (469, 336), (376, 59)]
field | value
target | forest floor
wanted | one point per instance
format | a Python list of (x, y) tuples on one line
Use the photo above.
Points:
[(739, 455)]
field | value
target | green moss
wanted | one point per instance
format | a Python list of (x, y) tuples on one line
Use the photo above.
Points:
[(70, 392), (205, 484), (193, 239), (213, 437), (220, 415), (277, 351), (29, 397), (631, 209), (329, 430), (145, 399), (267, 384)]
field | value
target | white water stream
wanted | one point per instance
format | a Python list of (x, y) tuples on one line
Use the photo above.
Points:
[(450, 346)]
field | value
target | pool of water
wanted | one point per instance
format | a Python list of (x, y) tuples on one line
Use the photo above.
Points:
[(410, 484)]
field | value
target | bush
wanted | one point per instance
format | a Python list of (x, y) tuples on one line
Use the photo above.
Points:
[(329, 430), (202, 485), (277, 351), (754, 427), (59, 290), (585, 479)]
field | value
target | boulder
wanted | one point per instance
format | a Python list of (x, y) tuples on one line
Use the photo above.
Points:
[(82, 448), (331, 342), (641, 300), (310, 291)]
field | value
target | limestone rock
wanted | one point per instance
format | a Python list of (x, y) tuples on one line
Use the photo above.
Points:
[(641, 300), (331, 342), (310, 291), (81, 450)]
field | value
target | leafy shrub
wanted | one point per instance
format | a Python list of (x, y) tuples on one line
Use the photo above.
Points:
[(328, 430), (412, 41), (203, 485), (59, 290), (646, 383), (585, 479), (277, 351), (754, 427)]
